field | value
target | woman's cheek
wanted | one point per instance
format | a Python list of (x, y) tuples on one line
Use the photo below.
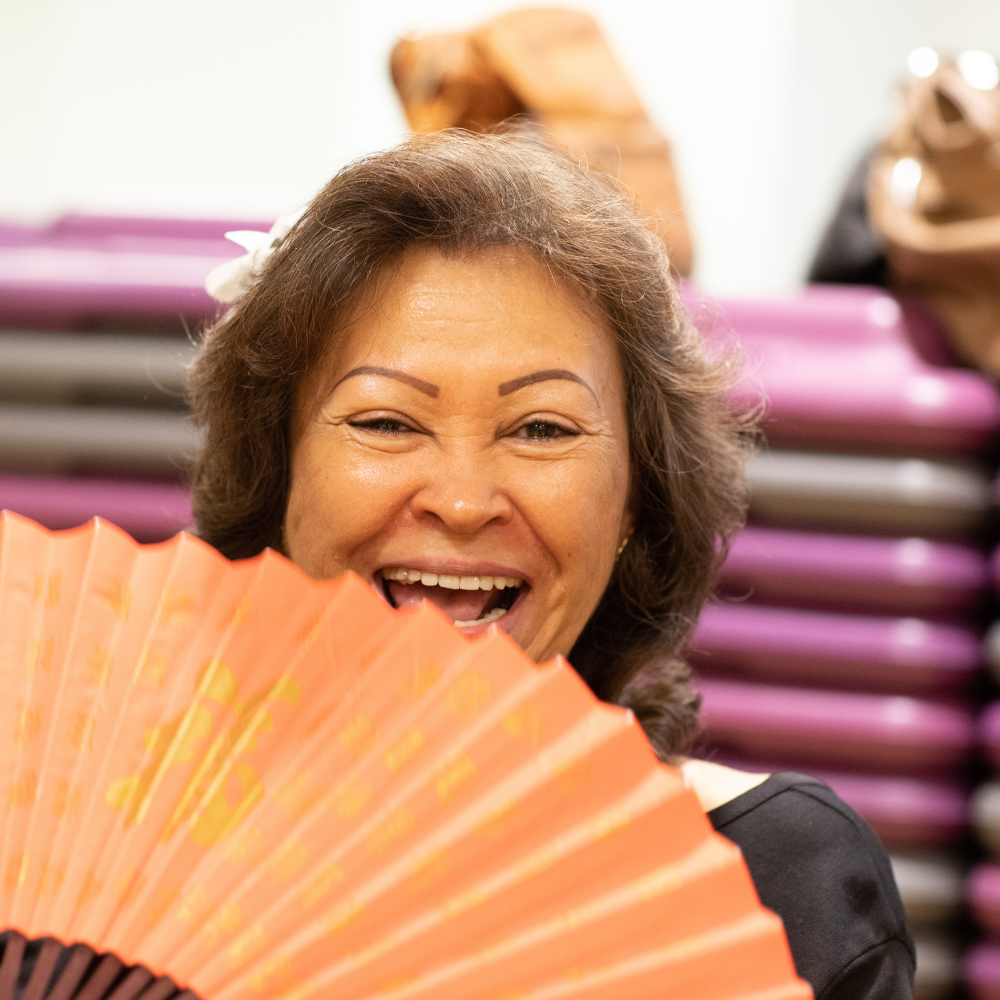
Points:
[(338, 500), (362, 485), (579, 503)]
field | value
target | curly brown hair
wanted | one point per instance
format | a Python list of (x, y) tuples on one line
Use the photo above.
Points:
[(461, 193)]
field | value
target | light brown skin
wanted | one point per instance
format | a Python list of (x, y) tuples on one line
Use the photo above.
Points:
[(445, 467), (532, 484)]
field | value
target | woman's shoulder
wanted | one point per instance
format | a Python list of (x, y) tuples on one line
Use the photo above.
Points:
[(714, 784), (818, 865)]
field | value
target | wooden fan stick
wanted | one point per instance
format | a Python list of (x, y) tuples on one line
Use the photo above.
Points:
[(45, 969)]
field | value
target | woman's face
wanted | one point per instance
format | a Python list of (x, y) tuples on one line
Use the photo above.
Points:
[(464, 442)]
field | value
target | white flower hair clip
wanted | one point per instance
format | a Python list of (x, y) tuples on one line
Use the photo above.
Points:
[(229, 282)]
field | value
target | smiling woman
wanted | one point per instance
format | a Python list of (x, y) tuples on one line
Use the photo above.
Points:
[(466, 367), (465, 374), (455, 490)]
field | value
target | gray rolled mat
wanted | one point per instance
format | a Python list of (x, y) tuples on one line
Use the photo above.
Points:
[(61, 438), (985, 810), (892, 495), (938, 967), (930, 885), (93, 368)]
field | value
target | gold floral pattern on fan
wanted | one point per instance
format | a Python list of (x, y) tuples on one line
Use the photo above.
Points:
[(204, 802)]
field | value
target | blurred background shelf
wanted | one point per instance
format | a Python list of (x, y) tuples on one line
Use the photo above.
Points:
[(846, 641), (98, 321), (847, 638)]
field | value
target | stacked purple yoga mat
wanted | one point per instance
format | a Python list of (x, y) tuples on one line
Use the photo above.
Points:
[(90, 271), (93, 345), (846, 638)]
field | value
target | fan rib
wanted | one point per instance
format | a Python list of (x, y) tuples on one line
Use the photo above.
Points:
[(74, 971), (10, 966), (138, 978), (165, 988), (42, 972), (100, 979)]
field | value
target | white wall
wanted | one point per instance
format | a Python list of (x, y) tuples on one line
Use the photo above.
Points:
[(218, 106)]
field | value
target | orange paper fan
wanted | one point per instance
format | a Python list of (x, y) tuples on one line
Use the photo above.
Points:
[(259, 785)]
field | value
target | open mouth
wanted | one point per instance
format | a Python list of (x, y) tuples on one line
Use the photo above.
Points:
[(467, 600)]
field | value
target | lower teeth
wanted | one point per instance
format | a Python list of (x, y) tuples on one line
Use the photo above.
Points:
[(493, 616)]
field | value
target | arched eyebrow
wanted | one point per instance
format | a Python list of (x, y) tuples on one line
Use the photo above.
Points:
[(506, 388), (417, 383)]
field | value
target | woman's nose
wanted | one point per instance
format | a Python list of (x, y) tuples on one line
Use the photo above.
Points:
[(464, 497)]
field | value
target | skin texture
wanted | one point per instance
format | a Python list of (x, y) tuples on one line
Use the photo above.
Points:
[(441, 454), (715, 784)]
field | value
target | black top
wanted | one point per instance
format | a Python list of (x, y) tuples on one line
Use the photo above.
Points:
[(817, 865)]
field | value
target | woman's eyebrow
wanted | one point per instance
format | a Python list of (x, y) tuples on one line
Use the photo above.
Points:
[(417, 383), (543, 376)]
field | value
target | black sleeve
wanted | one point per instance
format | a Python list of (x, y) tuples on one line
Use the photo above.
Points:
[(817, 865)]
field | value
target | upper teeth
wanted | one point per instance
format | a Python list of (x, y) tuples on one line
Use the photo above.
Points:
[(403, 575)]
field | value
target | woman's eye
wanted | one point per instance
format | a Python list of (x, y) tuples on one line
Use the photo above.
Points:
[(382, 425), (543, 430)]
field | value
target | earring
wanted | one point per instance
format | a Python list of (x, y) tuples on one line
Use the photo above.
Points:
[(621, 548)]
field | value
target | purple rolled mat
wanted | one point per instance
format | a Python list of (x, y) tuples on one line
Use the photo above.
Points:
[(150, 512), (84, 266), (84, 226), (906, 813), (13, 234), (910, 576), (982, 893), (893, 655), (873, 733), (73, 282), (981, 971), (841, 367)]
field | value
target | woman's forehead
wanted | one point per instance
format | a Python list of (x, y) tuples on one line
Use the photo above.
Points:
[(494, 308)]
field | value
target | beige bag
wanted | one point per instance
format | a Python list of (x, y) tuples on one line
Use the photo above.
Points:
[(555, 67), (934, 198)]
